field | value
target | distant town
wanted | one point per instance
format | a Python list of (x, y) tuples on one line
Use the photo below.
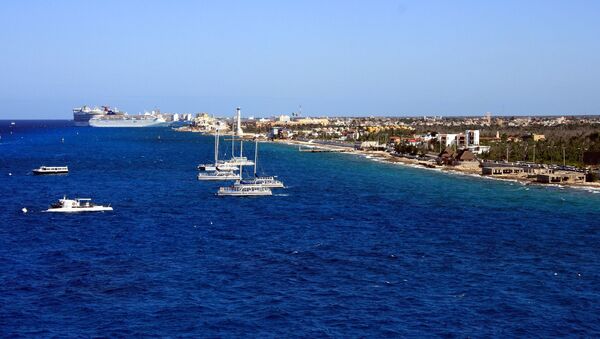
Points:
[(540, 149)]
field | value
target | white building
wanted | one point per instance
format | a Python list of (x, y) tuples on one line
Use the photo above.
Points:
[(472, 137), (284, 118), (446, 139)]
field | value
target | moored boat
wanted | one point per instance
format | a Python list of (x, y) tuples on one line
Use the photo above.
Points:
[(51, 170), (152, 119), (65, 205), (270, 182), (241, 190), (265, 181), (218, 176)]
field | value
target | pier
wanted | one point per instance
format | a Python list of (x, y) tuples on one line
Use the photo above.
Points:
[(323, 150)]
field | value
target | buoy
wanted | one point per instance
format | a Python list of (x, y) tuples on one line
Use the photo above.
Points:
[(24, 210)]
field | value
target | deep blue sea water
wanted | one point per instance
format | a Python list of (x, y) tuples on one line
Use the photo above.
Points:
[(351, 248)]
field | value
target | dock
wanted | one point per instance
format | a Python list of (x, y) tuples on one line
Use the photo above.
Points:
[(323, 150)]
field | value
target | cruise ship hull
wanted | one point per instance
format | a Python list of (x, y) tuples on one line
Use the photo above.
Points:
[(128, 123)]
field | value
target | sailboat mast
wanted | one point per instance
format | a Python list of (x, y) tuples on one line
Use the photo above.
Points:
[(232, 145), (241, 147), (255, 156)]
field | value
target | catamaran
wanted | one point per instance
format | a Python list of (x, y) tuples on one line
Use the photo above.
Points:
[(218, 176), (244, 191), (217, 165), (237, 161), (265, 181)]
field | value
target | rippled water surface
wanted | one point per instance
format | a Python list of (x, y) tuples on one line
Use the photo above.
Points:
[(351, 248)]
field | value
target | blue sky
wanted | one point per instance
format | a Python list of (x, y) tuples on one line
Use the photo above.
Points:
[(333, 57)]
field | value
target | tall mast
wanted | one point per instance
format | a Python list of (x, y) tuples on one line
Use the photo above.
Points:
[(241, 147), (232, 145), (255, 156)]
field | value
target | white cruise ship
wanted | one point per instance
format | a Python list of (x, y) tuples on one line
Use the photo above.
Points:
[(125, 120), (83, 114)]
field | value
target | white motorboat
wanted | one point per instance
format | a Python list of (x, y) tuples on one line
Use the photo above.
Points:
[(241, 190), (51, 170), (65, 205), (218, 176)]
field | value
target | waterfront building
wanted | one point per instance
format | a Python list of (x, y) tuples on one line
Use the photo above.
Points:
[(561, 177), (447, 140), (472, 137)]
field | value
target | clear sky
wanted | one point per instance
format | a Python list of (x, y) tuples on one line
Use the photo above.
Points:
[(378, 57)]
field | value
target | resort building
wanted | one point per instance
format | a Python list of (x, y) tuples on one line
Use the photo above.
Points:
[(447, 140), (560, 177), (494, 169)]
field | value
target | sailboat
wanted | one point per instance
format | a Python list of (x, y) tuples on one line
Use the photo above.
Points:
[(217, 171), (217, 165), (212, 167), (241, 160), (264, 181), (244, 190)]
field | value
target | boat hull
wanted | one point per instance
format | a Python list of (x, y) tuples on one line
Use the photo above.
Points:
[(217, 178), (80, 209), (264, 184), (37, 172), (244, 194), (127, 123)]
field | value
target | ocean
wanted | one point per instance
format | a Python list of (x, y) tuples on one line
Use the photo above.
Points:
[(351, 248)]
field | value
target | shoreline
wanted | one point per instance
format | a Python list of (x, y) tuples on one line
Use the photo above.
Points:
[(471, 171), (381, 156)]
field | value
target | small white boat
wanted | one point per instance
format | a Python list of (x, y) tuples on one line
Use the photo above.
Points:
[(51, 170), (65, 205), (218, 176), (241, 190)]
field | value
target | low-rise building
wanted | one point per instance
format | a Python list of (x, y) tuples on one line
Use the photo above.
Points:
[(560, 177), (495, 169)]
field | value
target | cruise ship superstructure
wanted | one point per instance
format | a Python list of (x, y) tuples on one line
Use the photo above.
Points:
[(124, 120), (83, 114)]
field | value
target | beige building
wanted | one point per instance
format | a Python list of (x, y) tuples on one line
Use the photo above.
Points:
[(559, 177)]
